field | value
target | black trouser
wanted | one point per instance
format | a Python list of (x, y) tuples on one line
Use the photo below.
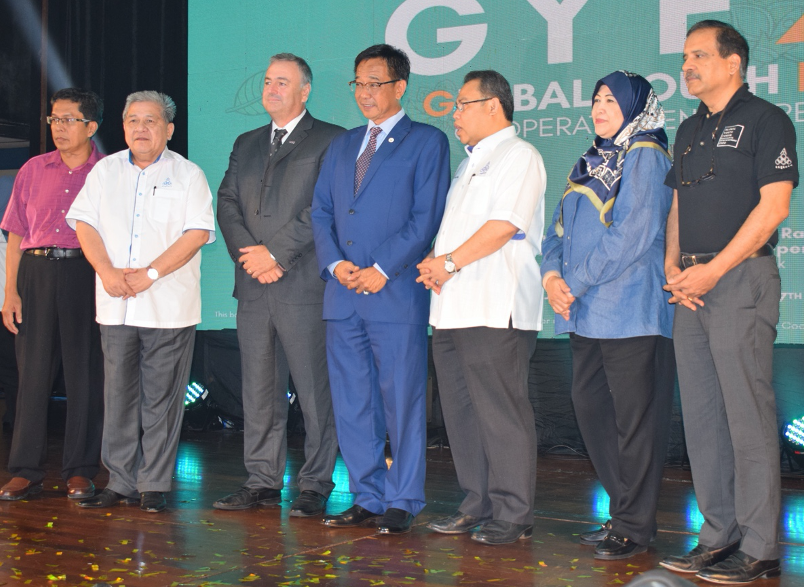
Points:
[(58, 325), (9, 379), (622, 391)]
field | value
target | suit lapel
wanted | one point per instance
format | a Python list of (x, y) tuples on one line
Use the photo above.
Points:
[(387, 148)]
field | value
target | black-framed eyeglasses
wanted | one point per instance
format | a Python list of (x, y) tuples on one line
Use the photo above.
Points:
[(370, 87), (68, 121), (459, 106), (709, 174)]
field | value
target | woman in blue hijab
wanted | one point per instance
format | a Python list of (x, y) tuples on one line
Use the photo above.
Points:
[(603, 271)]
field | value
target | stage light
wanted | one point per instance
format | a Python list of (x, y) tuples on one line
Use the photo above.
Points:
[(793, 440), (195, 392)]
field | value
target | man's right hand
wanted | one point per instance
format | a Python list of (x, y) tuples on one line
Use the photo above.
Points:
[(676, 296), (115, 284), (343, 270), (559, 295), (12, 311)]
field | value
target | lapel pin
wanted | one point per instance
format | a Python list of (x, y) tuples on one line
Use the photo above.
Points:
[(292, 142), (391, 140)]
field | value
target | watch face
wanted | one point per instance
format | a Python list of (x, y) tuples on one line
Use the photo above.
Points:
[(153, 274), (449, 266)]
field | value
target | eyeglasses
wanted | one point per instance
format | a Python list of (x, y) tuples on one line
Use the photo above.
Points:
[(711, 173), (68, 121), (459, 106), (371, 87)]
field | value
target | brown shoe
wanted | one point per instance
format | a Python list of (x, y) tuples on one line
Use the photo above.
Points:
[(19, 488), (80, 487)]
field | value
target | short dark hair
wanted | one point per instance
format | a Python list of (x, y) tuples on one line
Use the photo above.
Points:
[(306, 72), (729, 41), (89, 103), (396, 60), (494, 85)]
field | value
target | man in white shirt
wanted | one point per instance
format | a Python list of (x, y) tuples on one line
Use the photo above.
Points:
[(487, 312), (141, 218)]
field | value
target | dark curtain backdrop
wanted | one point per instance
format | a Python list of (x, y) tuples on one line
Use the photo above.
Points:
[(112, 47)]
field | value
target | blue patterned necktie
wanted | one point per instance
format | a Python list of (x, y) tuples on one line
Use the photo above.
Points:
[(277, 142), (364, 160)]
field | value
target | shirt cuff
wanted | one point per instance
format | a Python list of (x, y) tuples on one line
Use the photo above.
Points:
[(331, 267), (378, 268)]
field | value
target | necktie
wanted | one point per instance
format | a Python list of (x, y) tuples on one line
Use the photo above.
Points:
[(363, 161), (277, 142)]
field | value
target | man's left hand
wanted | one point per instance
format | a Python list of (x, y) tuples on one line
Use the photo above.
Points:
[(257, 260), (138, 279), (366, 280), (432, 273), (694, 281), (272, 275)]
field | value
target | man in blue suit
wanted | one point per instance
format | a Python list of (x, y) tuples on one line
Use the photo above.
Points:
[(377, 206)]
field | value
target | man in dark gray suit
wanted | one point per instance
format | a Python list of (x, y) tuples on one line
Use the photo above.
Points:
[(264, 215)]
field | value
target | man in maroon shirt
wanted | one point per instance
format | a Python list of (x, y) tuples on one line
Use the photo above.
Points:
[(49, 280)]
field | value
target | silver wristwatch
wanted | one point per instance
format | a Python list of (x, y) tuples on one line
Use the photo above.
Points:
[(449, 265)]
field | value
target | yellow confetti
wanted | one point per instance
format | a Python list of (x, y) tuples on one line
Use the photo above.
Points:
[(542, 564), (49, 524)]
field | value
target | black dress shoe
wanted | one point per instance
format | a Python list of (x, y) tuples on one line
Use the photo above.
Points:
[(152, 501), (699, 558), (248, 497), (395, 521), (740, 568), (595, 537), (500, 532), (308, 504), (617, 547), (106, 499), (457, 523), (354, 516)]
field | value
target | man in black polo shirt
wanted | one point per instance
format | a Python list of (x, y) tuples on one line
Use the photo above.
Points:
[(735, 168)]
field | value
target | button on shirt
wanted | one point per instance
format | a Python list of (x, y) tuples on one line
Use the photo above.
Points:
[(43, 192), (140, 213), (502, 179)]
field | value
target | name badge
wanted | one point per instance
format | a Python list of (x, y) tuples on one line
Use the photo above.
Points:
[(730, 137)]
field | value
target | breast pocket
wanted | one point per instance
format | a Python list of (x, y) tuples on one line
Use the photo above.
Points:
[(476, 199), (166, 204)]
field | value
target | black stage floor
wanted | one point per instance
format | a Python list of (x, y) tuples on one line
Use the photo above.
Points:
[(50, 541)]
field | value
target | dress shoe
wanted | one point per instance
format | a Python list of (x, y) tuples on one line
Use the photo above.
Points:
[(152, 501), (617, 547), (457, 523), (500, 532), (394, 521), (309, 503), (595, 537), (740, 568), (19, 488), (80, 487), (354, 516), (248, 497), (106, 499), (699, 558)]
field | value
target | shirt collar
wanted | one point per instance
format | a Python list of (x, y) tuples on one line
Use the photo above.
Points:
[(54, 157), (290, 126), (387, 125), (741, 95), (130, 160), (491, 141)]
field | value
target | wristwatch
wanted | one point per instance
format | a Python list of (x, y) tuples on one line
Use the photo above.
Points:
[(153, 274), (449, 265)]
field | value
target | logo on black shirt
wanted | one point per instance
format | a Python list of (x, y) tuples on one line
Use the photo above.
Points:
[(783, 161), (730, 137)]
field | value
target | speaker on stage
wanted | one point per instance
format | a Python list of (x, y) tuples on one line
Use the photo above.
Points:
[(660, 579)]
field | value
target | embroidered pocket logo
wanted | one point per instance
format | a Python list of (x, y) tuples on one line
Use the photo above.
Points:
[(730, 137)]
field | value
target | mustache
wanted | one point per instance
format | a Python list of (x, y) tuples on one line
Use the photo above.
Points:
[(690, 76)]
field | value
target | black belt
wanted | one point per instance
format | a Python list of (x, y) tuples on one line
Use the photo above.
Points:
[(688, 260), (55, 253)]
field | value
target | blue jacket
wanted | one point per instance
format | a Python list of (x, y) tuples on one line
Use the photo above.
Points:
[(616, 273), (391, 221)]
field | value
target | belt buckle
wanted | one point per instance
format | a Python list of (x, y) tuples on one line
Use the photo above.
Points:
[(689, 260), (49, 256)]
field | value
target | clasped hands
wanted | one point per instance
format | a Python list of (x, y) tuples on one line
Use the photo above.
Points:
[(559, 295), (363, 281), (125, 283), (432, 273), (257, 261), (689, 285)]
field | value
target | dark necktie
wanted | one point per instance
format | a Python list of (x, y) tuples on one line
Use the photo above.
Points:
[(364, 160), (277, 142)]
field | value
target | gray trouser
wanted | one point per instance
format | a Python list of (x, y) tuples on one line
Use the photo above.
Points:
[(483, 383), (146, 372), (276, 340), (724, 353)]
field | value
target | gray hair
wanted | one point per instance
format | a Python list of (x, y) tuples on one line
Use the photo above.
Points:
[(162, 100), (306, 72)]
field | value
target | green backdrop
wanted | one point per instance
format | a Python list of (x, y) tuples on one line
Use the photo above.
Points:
[(551, 52)]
